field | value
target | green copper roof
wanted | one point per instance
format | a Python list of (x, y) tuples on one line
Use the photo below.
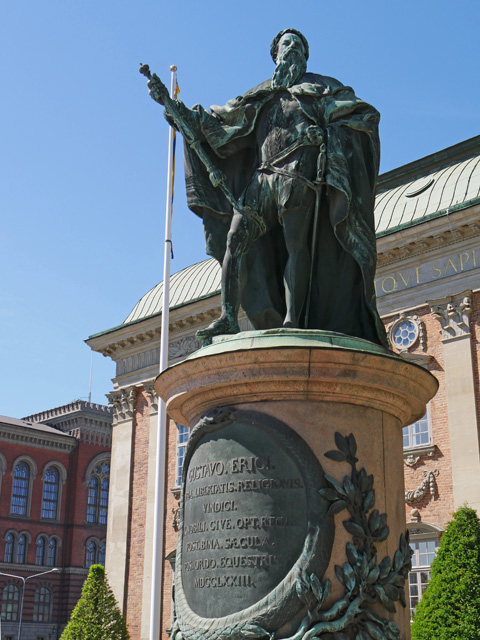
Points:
[(193, 283), (443, 189), (429, 187)]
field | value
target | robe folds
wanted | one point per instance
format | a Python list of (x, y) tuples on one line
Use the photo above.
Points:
[(343, 268)]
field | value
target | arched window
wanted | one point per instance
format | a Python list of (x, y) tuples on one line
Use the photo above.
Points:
[(10, 599), (52, 552), (101, 553), (21, 549), (103, 509), (51, 483), (42, 605), (40, 552), (90, 553), (21, 480), (9, 540), (97, 499), (92, 500)]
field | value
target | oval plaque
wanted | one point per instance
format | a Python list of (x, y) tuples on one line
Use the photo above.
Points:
[(251, 517)]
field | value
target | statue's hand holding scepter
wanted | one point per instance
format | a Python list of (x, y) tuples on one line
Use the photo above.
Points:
[(157, 90)]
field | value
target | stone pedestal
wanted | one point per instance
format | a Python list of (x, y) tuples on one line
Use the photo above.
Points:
[(274, 495)]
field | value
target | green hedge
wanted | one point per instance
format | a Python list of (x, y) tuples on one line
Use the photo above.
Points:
[(96, 615), (450, 607)]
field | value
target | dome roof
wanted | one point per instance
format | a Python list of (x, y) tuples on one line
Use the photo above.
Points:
[(193, 283)]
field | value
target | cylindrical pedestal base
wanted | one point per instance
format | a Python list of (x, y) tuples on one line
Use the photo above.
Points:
[(293, 517)]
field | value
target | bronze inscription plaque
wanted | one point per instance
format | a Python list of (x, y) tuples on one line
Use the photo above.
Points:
[(244, 519)]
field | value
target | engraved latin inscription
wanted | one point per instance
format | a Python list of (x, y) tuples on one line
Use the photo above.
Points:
[(245, 519)]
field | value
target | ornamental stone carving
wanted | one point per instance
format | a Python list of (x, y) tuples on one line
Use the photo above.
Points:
[(405, 331), (152, 396), (183, 347), (453, 313), (123, 402), (428, 486)]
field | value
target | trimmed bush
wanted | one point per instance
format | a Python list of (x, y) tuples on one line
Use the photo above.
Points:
[(450, 607), (96, 615)]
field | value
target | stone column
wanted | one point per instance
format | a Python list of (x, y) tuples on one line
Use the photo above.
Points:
[(296, 440), (119, 498), (453, 313)]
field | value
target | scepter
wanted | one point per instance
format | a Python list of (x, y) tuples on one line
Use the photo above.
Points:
[(217, 177)]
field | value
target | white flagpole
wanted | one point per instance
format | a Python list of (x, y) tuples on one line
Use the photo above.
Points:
[(160, 469)]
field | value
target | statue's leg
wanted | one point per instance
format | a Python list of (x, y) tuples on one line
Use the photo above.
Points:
[(239, 240), (296, 227)]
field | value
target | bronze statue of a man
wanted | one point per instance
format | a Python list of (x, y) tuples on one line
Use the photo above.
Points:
[(284, 180)]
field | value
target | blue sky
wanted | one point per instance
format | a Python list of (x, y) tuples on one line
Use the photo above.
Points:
[(83, 147)]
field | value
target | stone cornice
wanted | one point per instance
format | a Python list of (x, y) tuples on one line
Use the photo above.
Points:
[(138, 336), (36, 438), (430, 235)]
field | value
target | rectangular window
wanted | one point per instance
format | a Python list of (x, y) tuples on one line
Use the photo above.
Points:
[(418, 434), (423, 554), (182, 438)]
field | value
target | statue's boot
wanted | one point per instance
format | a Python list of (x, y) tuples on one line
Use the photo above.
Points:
[(221, 326)]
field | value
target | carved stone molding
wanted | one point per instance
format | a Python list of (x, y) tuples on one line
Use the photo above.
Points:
[(412, 456), (123, 402), (428, 486), (178, 349), (453, 313), (439, 240), (152, 396), (417, 333), (183, 347)]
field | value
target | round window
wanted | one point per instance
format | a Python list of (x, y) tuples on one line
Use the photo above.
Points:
[(405, 334)]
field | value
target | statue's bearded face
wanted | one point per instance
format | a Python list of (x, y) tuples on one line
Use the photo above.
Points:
[(291, 62)]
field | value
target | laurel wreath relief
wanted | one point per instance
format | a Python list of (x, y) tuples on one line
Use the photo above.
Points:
[(365, 581)]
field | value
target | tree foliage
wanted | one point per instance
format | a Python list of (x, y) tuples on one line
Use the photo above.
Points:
[(96, 615), (450, 607)]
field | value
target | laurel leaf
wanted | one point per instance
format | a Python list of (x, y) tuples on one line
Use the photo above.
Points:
[(338, 456), (342, 443), (337, 507), (354, 529)]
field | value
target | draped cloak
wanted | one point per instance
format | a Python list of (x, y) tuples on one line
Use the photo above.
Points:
[(342, 294)]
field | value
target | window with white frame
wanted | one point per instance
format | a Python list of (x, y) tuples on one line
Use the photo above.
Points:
[(418, 434), (182, 438), (424, 551)]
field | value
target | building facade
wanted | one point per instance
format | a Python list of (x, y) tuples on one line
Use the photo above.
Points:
[(54, 484), (428, 289)]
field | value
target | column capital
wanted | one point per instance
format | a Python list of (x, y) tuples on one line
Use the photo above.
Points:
[(453, 313), (123, 402)]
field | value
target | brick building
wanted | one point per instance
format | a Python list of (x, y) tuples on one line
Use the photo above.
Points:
[(428, 288), (54, 482)]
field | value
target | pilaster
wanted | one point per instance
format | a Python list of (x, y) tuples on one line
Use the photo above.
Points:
[(123, 401), (453, 313)]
